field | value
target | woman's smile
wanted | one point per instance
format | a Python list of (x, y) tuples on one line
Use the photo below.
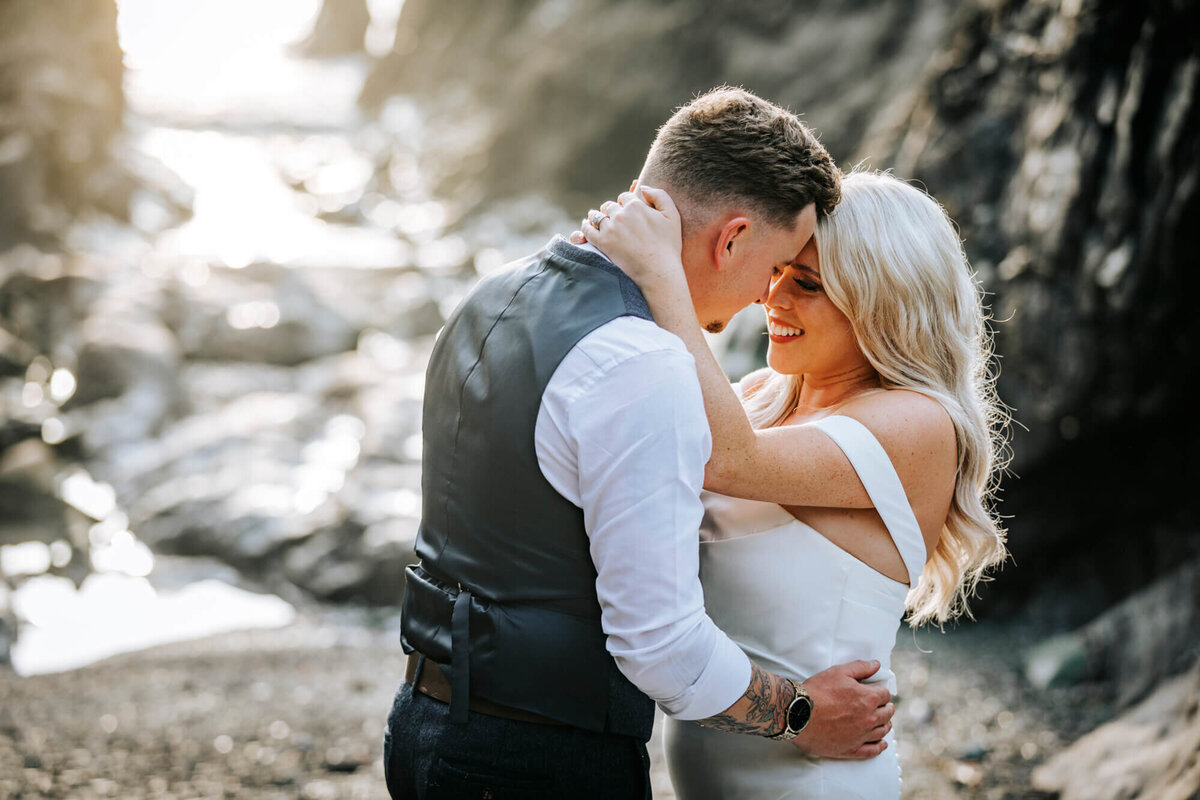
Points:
[(781, 333)]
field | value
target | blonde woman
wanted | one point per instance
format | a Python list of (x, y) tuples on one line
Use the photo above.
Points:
[(850, 480)]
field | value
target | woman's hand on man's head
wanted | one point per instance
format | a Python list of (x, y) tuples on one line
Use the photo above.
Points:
[(640, 232)]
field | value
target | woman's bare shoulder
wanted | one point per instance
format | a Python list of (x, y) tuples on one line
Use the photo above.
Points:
[(914, 429)]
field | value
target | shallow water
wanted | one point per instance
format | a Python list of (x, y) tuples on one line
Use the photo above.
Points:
[(267, 142)]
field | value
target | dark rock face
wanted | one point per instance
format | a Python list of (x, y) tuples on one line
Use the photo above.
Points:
[(60, 110), (1065, 140)]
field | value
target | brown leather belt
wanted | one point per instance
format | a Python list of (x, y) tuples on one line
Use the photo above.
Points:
[(432, 682)]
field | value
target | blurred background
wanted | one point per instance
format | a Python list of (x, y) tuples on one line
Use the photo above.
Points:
[(229, 230)]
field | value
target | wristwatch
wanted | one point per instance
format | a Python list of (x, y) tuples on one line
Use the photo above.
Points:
[(799, 712)]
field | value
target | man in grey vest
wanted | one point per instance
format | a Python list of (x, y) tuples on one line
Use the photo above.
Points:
[(558, 596)]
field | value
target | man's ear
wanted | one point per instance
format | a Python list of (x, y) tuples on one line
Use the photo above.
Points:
[(729, 239)]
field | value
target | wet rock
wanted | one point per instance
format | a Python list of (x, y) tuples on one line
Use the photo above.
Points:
[(322, 564), (15, 355), (420, 318), (8, 624), (272, 483), (30, 508), (118, 353), (1059, 661), (233, 483), (128, 380), (14, 431), (208, 385), (259, 426), (42, 306), (1153, 634), (1148, 752), (353, 564), (263, 314), (402, 302)]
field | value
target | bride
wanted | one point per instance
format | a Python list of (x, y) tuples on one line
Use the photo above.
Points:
[(850, 480)]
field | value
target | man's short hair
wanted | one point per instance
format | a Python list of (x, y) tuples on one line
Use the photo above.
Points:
[(731, 146)]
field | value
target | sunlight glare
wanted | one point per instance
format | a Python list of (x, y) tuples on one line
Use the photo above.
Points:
[(114, 613)]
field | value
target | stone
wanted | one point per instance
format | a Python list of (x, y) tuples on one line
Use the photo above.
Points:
[(42, 306), (1151, 635), (30, 508), (1148, 752), (127, 380), (1059, 661), (261, 314), (349, 563), (15, 355)]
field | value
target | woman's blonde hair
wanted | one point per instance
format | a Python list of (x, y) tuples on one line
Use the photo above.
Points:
[(892, 262)]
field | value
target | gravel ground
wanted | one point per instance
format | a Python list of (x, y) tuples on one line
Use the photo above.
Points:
[(299, 712)]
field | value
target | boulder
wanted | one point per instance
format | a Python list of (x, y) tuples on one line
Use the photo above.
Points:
[(353, 564), (41, 304), (402, 302), (1150, 752), (127, 380), (1152, 635), (15, 355), (264, 313), (30, 507)]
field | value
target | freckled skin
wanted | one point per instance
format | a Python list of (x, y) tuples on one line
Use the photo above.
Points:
[(835, 374)]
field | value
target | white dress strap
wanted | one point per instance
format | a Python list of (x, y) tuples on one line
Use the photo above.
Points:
[(883, 485)]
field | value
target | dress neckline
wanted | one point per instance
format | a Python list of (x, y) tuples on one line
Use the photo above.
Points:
[(874, 468)]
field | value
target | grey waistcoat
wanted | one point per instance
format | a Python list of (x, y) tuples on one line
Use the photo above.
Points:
[(505, 595)]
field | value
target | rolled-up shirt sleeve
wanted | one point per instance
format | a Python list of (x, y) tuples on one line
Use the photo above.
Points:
[(630, 428)]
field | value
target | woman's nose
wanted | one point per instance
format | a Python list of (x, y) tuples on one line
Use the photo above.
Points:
[(777, 295)]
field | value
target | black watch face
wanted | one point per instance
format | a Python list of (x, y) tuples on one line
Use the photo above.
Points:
[(799, 713)]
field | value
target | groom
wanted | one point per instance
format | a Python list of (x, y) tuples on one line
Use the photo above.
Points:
[(557, 599)]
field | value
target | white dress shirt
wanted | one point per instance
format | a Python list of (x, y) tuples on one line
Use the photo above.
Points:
[(621, 433)]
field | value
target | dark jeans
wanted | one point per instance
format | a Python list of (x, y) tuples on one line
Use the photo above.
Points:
[(427, 758)]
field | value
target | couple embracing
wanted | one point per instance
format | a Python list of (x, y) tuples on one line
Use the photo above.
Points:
[(609, 525)]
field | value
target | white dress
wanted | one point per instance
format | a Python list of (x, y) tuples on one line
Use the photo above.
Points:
[(797, 604)]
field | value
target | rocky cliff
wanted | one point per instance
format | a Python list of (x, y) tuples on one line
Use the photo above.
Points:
[(60, 110), (1065, 140)]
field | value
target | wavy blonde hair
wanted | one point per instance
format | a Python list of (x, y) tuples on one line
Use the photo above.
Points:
[(892, 262)]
